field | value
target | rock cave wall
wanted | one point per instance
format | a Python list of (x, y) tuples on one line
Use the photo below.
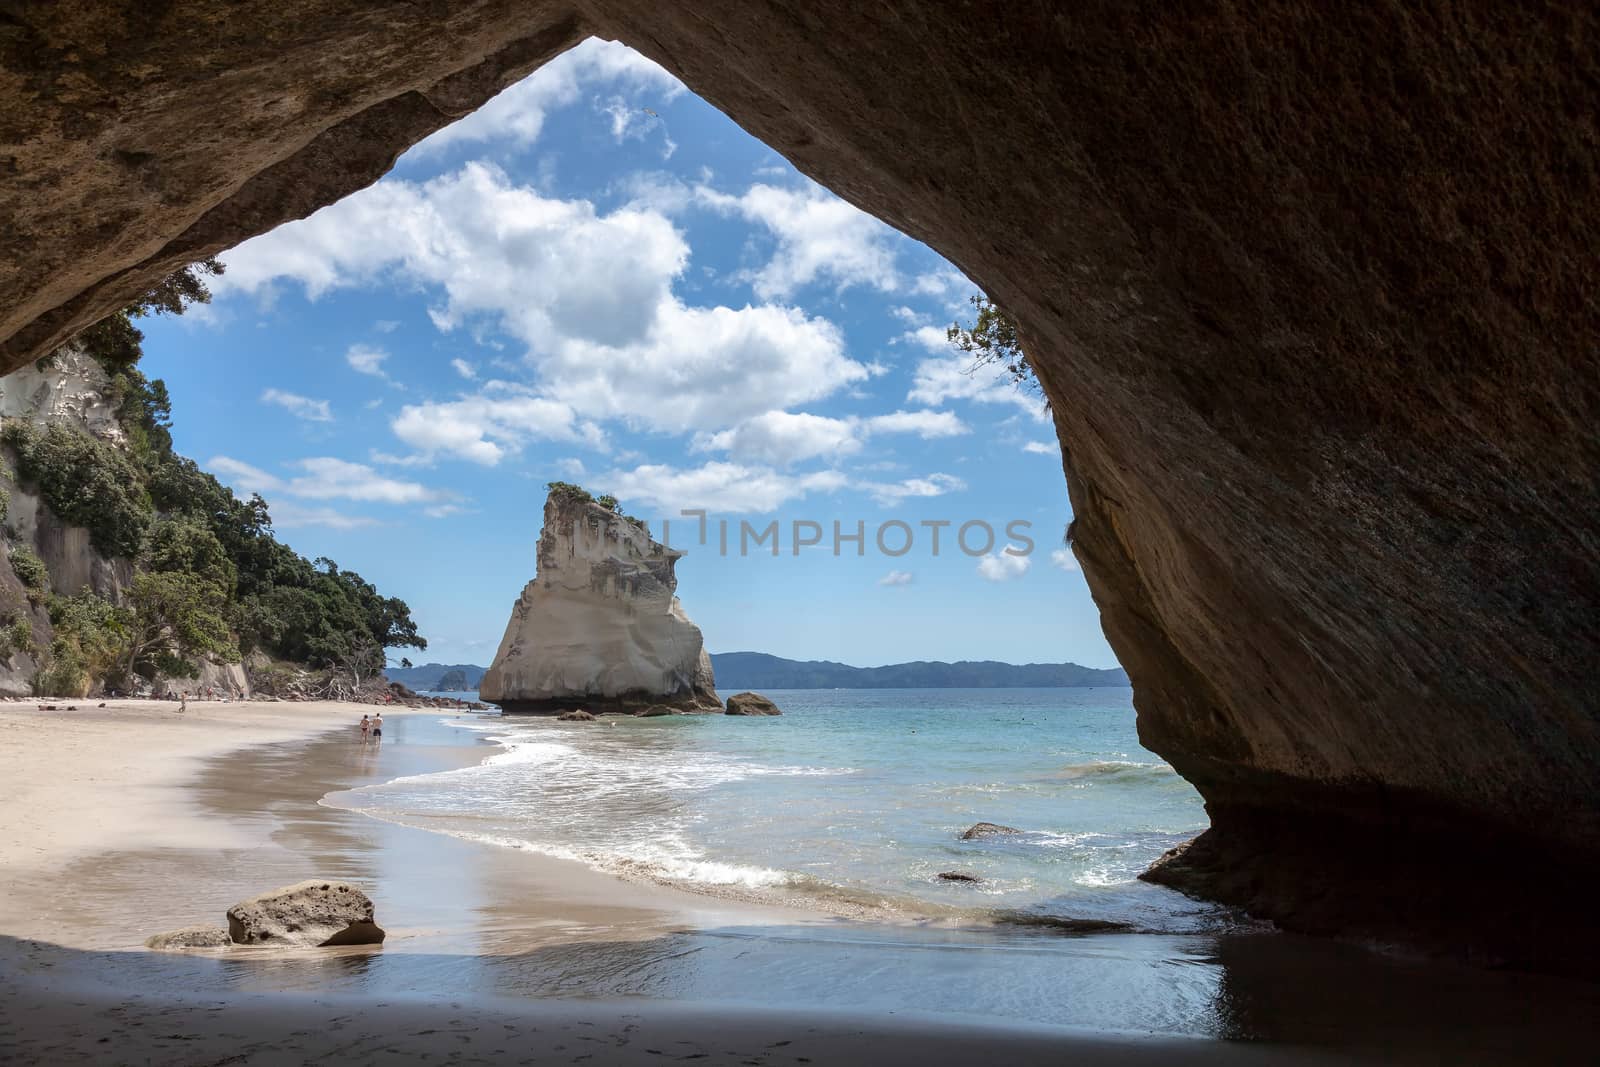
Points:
[(1310, 289)]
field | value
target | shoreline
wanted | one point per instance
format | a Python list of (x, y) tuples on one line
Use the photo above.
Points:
[(229, 808)]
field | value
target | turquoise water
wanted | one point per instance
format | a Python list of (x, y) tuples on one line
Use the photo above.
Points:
[(852, 799)]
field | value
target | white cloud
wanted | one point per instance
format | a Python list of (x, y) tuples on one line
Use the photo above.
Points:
[(386, 325), (327, 478), (324, 478), (289, 516), (590, 294), (367, 359), (896, 578), (946, 283), (1063, 559), (465, 369), (891, 493), (728, 488), (517, 115), (242, 476), (784, 438), (908, 316), (1002, 567), (492, 424), (705, 367), (953, 377), (1043, 448), (301, 407), (818, 234), (925, 424)]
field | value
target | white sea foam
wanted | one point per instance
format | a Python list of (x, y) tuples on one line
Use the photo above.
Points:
[(775, 810)]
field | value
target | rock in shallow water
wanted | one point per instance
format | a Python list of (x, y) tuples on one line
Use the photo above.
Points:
[(957, 876), (575, 716), (190, 937), (600, 625), (751, 704), (655, 711), (306, 914), (987, 829)]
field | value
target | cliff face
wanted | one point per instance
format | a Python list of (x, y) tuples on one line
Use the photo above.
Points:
[(69, 388), (600, 627), (1310, 288)]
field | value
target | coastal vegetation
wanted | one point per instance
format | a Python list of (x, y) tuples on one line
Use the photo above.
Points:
[(991, 340), (568, 493), (210, 578)]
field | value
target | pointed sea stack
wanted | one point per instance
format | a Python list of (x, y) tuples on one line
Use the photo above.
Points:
[(600, 626)]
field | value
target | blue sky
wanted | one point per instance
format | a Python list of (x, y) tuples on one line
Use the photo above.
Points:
[(599, 278)]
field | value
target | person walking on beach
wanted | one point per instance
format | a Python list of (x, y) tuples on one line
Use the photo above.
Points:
[(377, 728), (183, 701), (366, 727)]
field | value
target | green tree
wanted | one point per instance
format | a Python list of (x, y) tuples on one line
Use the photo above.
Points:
[(118, 344), (169, 619), (992, 339), (185, 544), (90, 636)]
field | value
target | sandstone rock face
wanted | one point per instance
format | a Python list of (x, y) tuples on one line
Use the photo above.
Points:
[(309, 913), (1309, 288), (600, 626), (751, 704)]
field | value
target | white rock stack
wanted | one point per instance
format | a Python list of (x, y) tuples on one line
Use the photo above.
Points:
[(600, 627)]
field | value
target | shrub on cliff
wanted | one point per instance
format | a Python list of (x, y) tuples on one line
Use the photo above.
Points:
[(566, 492), (85, 482), (16, 635), (992, 339), (31, 572)]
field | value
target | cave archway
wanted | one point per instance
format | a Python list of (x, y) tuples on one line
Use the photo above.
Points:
[(1311, 291)]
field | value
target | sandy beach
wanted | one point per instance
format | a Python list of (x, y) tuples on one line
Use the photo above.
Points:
[(124, 821)]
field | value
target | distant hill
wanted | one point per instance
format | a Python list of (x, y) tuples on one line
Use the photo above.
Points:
[(429, 675), (757, 670)]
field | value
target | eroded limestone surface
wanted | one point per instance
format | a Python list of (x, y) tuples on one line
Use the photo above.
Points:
[(600, 628)]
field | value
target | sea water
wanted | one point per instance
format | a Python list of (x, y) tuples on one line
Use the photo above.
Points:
[(852, 800)]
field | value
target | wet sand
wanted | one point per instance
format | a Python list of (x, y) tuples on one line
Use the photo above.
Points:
[(499, 953)]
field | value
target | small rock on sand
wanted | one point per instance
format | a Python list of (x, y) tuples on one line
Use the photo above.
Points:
[(308, 914)]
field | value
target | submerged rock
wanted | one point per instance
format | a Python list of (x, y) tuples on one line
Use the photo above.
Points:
[(600, 624), (579, 715), (957, 876), (655, 711), (987, 829), (751, 704), (307, 913), (190, 937)]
